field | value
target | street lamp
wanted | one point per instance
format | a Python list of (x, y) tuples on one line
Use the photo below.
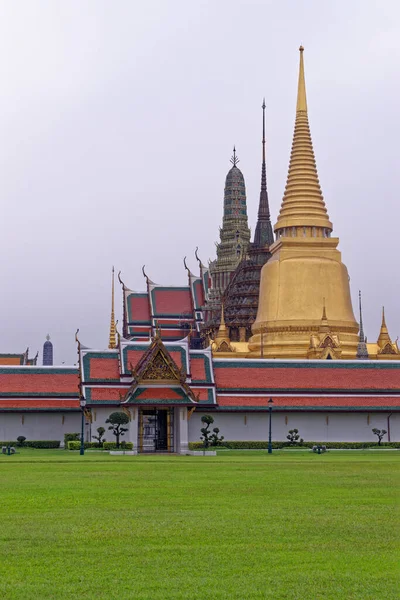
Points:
[(270, 403), (82, 448)]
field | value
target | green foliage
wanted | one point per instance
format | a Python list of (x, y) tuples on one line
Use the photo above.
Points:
[(294, 437), (76, 445), (20, 440), (380, 433), (122, 446), (100, 437), (263, 445), (70, 437), (117, 420), (34, 443)]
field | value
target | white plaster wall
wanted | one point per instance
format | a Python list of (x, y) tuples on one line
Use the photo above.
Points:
[(38, 426), (312, 426), (101, 414)]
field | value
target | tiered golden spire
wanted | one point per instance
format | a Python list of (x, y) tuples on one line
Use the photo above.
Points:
[(222, 332), (324, 326), (384, 337), (112, 344), (303, 205)]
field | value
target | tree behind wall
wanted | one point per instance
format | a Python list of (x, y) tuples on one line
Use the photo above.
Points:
[(117, 420)]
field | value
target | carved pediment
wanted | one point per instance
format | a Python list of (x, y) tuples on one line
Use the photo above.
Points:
[(224, 347), (158, 369), (388, 349), (327, 342), (157, 365)]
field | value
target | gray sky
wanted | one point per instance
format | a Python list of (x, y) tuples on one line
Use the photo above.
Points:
[(117, 124)]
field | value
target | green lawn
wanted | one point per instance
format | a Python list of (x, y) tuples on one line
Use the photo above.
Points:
[(242, 525)]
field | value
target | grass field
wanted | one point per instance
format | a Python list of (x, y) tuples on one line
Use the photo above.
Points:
[(242, 525)]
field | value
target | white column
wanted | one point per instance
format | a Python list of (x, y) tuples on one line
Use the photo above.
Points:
[(132, 434), (182, 442)]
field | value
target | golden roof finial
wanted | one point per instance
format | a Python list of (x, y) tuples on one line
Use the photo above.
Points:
[(112, 344), (383, 318), (303, 206), (301, 88), (384, 336), (324, 326), (222, 327), (222, 342)]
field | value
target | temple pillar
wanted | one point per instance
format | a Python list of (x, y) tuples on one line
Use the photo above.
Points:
[(132, 433), (182, 430)]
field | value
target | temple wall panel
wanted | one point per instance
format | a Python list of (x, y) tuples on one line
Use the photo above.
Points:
[(39, 425), (313, 426)]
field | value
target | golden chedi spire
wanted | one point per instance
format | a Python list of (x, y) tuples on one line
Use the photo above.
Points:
[(222, 342), (112, 344), (305, 269), (303, 204), (384, 337)]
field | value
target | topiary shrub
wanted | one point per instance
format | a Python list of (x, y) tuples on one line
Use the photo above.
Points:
[(209, 438), (117, 420), (100, 436), (380, 433), (294, 437), (21, 440)]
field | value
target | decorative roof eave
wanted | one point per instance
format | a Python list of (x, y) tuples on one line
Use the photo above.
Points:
[(167, 373)]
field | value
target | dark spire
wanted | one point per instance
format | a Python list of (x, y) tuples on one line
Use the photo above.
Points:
[(362, 350), (263, 235), (234, 159)]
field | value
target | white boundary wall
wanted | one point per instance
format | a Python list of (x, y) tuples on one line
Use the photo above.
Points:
[(235, 426), (312, 426)]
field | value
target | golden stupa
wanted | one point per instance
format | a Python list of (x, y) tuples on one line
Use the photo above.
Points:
[(304, 308)]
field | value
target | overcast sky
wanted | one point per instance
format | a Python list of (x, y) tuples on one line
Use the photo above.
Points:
[(117, 124)]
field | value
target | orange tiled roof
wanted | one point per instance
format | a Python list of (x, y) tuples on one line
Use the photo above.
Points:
[(310, 401)]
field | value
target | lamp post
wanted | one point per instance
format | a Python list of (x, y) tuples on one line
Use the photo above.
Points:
[(270, 403), (82, 448)]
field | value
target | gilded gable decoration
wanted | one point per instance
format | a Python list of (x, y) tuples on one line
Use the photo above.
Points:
[(325, 344)]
